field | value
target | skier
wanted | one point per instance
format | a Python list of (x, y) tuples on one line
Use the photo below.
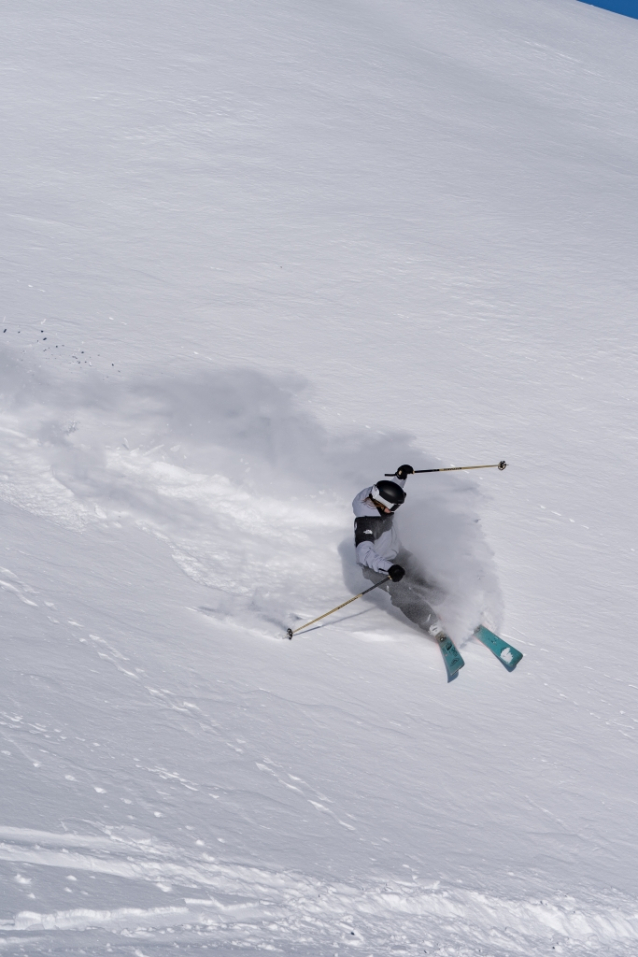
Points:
[(380, 552)]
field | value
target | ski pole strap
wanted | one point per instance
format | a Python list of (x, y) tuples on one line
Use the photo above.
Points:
[(457, 468), (290, 632)]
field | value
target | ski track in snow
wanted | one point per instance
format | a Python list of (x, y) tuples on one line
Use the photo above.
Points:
[(293, 913)]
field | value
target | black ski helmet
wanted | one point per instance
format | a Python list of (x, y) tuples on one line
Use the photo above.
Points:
[(388, 493)]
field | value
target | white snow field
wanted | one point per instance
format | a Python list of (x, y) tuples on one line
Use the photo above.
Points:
[(254, 256)]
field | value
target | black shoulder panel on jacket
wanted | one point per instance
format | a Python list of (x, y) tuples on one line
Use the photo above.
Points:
[(369, 529)]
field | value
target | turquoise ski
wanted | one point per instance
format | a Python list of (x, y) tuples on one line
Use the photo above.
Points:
[(505, 653), (451, 656)]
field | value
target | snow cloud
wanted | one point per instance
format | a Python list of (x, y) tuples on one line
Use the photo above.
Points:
[(237, 473)]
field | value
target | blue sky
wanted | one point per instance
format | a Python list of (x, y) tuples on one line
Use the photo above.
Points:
[(628, 7)]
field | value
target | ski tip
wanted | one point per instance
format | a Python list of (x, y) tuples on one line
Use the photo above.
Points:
[(289, 633), (451, 656), (507, 654), (453, 667), (510, 662), (510, 657)]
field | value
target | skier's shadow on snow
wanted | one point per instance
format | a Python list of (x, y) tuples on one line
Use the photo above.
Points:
[(355, 582), (326, 624)]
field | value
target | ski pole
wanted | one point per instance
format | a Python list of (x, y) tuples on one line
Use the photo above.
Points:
[(290, 632), (457, 468)]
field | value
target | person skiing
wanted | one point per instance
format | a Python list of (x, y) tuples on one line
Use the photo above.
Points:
[(380, 553)]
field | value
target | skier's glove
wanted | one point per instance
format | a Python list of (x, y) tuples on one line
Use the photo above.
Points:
[(396, 572), (403, 471)]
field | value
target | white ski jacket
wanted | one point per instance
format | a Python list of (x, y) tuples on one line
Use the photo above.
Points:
[(376, 540)]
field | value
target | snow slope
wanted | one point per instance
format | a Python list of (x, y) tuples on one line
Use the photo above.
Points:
[(254, 257)]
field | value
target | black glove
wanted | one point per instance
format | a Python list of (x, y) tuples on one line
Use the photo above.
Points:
[(396, 573), (403, 471)]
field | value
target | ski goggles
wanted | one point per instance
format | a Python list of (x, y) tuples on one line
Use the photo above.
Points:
[(378, 498)]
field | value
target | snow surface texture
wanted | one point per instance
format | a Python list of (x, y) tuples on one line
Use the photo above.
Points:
[(256, 255)]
